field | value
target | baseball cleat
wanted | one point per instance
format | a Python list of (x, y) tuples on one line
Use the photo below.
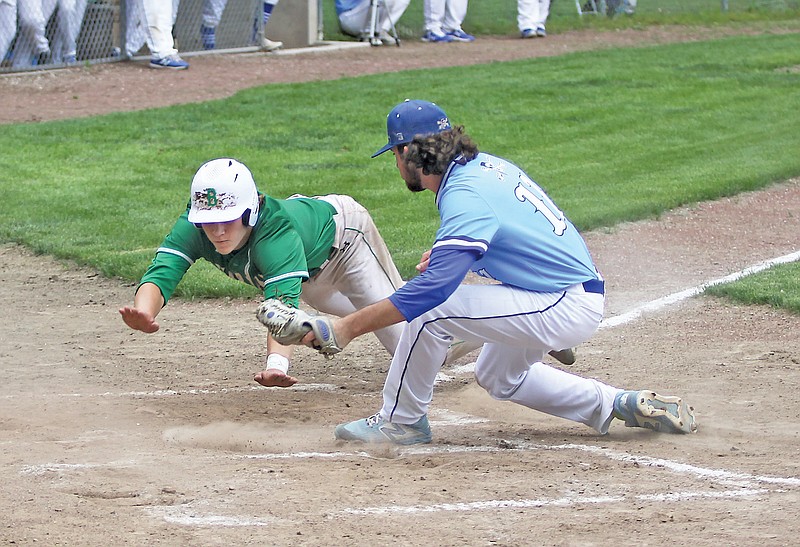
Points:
[(459, 35), (431, 36), (564, 356), (376, 430), (652, 411), (270, 45), (172, 62)]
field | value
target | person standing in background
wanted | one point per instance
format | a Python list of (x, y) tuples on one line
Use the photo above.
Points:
[(266, 43), (31, 41), (531, 17), (8, 25), (64, 47), (160, 17), (212, 14), (443, 20)]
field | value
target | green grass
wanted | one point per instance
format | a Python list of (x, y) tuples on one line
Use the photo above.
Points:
[(499, 17), (778, 287), (613, 135)]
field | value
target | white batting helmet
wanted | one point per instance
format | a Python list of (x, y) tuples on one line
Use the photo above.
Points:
[(223, 190)]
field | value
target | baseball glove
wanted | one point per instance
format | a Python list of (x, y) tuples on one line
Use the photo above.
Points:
[(289, 325)]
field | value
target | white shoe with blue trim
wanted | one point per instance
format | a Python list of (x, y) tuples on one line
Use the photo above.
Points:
[(375, 430)]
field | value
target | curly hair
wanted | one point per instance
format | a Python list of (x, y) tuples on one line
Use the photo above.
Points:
[(433, 153)]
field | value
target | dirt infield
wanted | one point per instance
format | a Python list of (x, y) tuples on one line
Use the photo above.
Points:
[(113, 437)]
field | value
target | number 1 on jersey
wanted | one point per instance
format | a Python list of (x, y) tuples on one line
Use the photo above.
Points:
[(527, 190)]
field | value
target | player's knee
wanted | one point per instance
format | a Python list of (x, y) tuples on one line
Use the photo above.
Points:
[(497, 387)]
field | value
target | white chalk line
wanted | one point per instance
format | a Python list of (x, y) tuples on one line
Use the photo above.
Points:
[(746, 485), (674, 298), (194, 391), (721, 476), (190, 514), (537, 503), (62, 468)]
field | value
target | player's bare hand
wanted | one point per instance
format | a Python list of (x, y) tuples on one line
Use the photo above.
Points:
[(272, 377), (423, 262), (139, 320)]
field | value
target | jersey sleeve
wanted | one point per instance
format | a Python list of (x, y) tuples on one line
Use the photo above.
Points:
[(179, 250), (467, 221), (446, 270)]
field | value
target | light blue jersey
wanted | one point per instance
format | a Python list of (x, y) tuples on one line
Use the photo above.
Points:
[(498, 223), (491, 205)]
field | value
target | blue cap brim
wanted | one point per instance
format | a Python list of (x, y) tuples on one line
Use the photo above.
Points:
[(386, 147)]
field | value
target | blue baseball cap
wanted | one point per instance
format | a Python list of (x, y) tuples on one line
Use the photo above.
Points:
[(412, 118)]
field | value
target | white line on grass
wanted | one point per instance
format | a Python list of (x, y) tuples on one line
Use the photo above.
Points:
[(674, 298)]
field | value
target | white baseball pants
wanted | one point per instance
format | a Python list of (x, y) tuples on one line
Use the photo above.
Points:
[(8, 25), (517, 327), (359, 273), (532, 13), (442, 16)]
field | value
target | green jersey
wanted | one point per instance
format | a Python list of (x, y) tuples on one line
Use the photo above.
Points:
[(291, 238)]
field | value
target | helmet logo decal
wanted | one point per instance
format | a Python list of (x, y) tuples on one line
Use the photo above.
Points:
[(443, 123), (210, 199)]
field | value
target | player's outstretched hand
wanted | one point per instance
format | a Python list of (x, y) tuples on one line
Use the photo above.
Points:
[(273, 377), (138, 320)]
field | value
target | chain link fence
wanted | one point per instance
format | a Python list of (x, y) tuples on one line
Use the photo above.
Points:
[(39, 34)]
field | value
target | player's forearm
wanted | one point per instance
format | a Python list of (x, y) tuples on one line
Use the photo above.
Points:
[(278, 355), (369, 319), (148, 299)]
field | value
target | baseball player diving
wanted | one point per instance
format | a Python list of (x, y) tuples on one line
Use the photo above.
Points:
[(325, 250), (497, 222)]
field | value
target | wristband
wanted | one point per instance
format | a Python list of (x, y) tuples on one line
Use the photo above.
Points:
[(278, 362)]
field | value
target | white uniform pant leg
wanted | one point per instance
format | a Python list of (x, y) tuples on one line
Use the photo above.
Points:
[(8, 25), (136, 34), (31, 39), (160, 16), (392, 11), (544, 12), (433, 11), (70, 16), (361, 272), (544, 388), (354, 22), (527, 14), (518, 328), (212, 12), (454, 14)]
